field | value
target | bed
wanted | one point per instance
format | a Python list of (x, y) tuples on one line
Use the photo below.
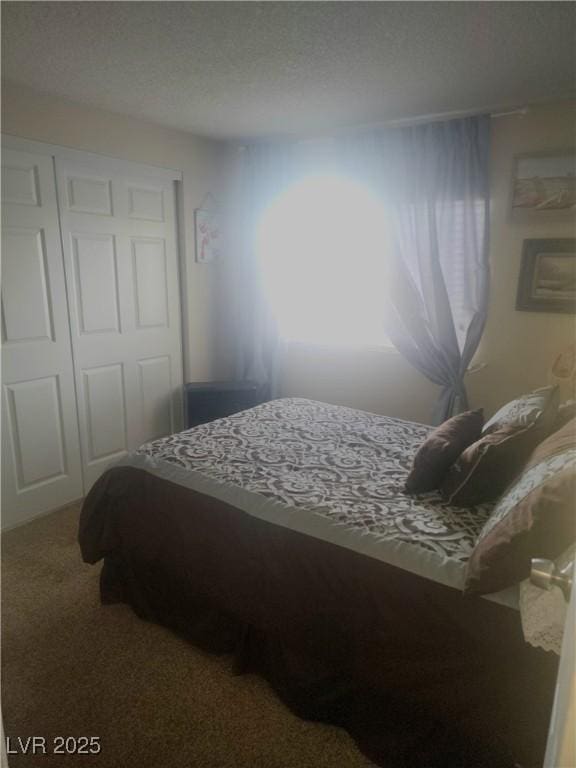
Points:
[(282, 535)]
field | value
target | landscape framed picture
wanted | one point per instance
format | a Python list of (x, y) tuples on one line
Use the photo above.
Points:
[(547, 281), (544, 183)]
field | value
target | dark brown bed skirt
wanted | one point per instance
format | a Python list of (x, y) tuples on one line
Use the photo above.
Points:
[(417, 673)]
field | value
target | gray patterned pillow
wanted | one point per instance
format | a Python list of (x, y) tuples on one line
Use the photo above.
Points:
[(538, 408), (534, 518)]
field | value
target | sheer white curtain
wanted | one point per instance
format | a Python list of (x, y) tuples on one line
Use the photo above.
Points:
[(267, 171), (320, 250)]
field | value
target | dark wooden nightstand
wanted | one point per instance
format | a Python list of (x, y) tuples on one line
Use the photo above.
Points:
[(206, 401)]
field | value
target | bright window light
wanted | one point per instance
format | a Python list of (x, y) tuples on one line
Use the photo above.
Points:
[(321, 247)]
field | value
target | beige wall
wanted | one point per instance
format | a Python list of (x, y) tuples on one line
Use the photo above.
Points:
[(32, 115), (374, 380), (517, 348)]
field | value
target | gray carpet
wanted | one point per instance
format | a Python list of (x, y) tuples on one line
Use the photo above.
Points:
[(72, 667)]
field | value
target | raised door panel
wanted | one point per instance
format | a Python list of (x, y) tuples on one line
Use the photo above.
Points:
[(36, 435), (154, 378), (150, 282), (20, 183), (145, 203), (89, 195), (96, 272), (104, 401), (26, 302)]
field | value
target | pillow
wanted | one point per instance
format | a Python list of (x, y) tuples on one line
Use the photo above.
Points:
[(441, 449), (534, 518), (488, 466), (566, 412), (538, 407)]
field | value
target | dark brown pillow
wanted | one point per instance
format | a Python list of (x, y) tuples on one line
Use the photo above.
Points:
[(534, 518), (488, 466), (441, 449)]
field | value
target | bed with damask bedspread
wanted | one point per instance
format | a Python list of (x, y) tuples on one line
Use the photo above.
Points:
[(283, 535)]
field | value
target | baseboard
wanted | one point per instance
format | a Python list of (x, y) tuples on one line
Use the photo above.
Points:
[(38, 515)]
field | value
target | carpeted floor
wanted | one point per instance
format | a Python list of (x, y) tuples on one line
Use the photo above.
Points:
[(71, 667)]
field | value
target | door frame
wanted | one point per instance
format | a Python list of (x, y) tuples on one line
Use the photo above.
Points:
[(56, 150), (561, 746)]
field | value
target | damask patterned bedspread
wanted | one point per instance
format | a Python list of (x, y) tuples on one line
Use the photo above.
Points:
[(329, 471)]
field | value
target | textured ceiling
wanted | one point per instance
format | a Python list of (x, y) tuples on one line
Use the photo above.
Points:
[(239, 70)]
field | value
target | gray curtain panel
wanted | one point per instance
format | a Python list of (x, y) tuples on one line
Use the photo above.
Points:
[(437, 299), (434, 179)]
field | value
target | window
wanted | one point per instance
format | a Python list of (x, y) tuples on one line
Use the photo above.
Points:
[(321, 248)]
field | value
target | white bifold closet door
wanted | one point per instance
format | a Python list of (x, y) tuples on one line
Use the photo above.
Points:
[(119, 239), (40, 442)]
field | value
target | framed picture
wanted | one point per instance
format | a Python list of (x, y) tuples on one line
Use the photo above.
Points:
[(547, 281), (544, 182), (207, 229)]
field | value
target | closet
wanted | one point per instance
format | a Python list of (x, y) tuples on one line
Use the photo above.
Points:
[(91, 337)]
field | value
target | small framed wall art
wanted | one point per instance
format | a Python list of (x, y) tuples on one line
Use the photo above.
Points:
[(208, 235), (547, 281), (543, 183)]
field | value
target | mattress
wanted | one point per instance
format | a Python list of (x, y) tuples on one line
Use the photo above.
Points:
[(327, 471)]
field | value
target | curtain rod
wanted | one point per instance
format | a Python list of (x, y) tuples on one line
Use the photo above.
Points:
[(408, 121), (440, 116), (519, 111)]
